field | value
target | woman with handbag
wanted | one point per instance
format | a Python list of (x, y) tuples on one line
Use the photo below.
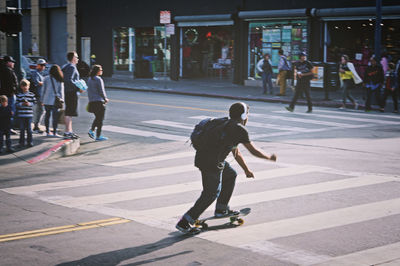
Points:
[(349, 77), (53, 97), (97, 101)]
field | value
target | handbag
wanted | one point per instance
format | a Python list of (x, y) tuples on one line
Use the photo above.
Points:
[(58, 101)]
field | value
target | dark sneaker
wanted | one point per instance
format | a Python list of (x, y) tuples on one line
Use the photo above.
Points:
[(290, 109), (30, 145), (184, 227), (225, 213)]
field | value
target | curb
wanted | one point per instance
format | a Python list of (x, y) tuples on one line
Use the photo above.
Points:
[(63, 148), (242, 98)]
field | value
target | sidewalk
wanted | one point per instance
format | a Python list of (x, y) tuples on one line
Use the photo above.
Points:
[(225, 89)]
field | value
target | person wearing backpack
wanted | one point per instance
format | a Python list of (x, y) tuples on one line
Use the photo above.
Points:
[(283, 67), (213, 140)]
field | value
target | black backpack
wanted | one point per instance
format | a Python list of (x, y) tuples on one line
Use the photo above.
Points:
[(209, 133)]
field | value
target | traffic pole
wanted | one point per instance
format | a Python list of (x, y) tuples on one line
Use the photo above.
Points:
[(378, 30)]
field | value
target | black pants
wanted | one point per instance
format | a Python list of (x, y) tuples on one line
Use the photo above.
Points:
[(303, 85), (52, 111), (394, 94), (376, 93), (98, 109), (7, 134)]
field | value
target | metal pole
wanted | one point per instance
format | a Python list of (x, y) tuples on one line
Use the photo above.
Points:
[(378, 30), (17, 48), (165, 53)]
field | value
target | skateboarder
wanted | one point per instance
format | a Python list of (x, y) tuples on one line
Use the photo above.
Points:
[(218, 176)]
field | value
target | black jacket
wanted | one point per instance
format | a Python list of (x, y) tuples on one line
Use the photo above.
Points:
[(8, 81), (374, 74)]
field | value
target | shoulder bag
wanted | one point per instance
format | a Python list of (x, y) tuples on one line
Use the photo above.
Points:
[(58, 101)]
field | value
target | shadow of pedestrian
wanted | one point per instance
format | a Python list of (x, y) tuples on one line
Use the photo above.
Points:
[(117, 256)]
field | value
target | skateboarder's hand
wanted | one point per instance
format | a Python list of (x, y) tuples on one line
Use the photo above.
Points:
[(249, 174), (273, 157)]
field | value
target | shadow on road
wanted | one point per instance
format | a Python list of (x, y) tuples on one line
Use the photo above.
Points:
[(117, 256)]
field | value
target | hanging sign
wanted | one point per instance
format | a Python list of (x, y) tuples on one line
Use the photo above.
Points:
[(170, 28), (165, 17)]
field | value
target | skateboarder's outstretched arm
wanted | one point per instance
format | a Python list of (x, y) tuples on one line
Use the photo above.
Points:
[(256, 152)]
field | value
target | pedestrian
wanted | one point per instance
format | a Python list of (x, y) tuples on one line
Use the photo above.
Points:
[(218, 177), (391, 88), (304, 75), (8, 86), (36, 88), (71, 76), (284, 67), (373, 81), (348, 75), (24, 102), (5, 123), (53, 87), (264, 66), (97, 101)]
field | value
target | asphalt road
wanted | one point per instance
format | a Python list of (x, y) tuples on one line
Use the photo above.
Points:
[(332, 198)]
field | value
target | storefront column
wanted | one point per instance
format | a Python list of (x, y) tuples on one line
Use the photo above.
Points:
[(71, 25), (241, 30), (3, 37), (175, 55), (35, 26)]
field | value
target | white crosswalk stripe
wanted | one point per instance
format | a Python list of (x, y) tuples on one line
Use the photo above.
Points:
[(257, 236)]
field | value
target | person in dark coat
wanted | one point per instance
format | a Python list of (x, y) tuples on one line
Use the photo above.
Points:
[(9, 84), (5, 123)]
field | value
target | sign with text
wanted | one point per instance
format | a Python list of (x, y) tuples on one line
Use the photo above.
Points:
[(170, 29), (165, 17)]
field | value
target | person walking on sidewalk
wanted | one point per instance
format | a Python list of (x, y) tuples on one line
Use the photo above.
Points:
[(37, 86), (373, 80), (264, 66), (71, 76), (8, 86), (304, 75), (25, 101), (348, 75), (53, 87), (5, 123), (391, 88), (218, 177), (97, 100), (283, 68)]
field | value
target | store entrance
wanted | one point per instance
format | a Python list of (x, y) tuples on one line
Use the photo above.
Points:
[(207, 52)]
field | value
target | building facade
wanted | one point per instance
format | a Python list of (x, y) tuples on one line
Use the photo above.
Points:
[(208, 39)]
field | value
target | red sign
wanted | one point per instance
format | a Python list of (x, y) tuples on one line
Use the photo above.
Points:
[(165, 17)]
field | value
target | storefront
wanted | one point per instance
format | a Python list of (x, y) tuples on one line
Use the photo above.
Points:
[(141, 50), (351, 31), (206, 46), (270, 31)]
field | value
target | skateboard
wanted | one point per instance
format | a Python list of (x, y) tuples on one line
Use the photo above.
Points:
[(234, 219)]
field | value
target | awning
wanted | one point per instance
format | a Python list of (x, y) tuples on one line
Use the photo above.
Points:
[(273, 14), (204, 20), (356, 13)]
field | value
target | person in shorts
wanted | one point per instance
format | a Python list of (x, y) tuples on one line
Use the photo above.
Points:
[(71, 75)]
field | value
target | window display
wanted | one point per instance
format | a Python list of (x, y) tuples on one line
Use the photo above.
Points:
[(269, 37)]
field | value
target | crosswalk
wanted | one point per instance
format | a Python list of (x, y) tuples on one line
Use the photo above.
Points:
[(264, 126), (287, 200)]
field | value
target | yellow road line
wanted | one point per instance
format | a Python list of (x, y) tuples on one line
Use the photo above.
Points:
[(63, 229), (170, 106)]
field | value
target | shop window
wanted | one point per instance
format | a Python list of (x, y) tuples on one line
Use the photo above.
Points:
[(357, 40), (270, 37), (123, 48), (207, 52)]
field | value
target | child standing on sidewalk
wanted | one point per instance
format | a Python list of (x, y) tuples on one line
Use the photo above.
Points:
[(24, 103), (5, 123)]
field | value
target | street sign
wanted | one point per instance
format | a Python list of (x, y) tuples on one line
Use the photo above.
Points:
[(165, 17), (170, 29)]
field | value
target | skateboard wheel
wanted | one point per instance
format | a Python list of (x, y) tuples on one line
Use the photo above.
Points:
[(240, 221), (204, 226)]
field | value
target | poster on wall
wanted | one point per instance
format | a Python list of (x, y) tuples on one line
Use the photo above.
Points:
[(275, 35), (275, 57), (296, 34), (266, 37), (287, 34), (304, 36)]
